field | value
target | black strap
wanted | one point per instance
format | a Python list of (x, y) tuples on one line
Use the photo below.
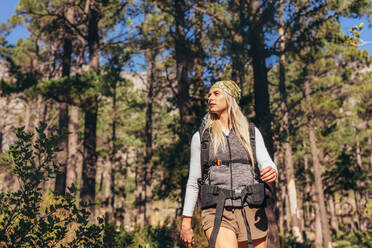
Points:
[(250, 243), (252, 136), (222, 195), (204, 141), (228, 162), (218, 218)]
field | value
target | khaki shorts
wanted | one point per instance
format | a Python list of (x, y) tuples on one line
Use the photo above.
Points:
[(233, 220)]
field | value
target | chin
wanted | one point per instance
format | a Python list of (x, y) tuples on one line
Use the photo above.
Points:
[(213, 111)]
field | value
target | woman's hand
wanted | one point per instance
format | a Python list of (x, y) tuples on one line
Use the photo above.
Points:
[(187, 235), (268, 174)]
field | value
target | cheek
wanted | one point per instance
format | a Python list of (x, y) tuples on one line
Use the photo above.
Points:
[(222, 102)]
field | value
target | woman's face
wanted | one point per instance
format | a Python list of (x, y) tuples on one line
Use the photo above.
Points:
[(217, 101)]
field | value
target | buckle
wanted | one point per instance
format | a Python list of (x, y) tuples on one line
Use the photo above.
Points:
[(236, 194), (218, 162)]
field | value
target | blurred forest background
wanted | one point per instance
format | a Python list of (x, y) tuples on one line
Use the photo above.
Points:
[(123, 134)]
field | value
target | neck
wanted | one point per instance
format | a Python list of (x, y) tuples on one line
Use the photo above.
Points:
[(224, 120)]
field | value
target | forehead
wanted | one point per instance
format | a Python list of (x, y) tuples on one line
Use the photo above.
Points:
[(215, 89)]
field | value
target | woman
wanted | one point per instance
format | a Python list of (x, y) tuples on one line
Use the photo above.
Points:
[(223, 159)]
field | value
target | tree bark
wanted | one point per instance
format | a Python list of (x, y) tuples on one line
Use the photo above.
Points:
[(306, 204), (358, 195), (263, 116), (73, 142), (139, 208), (182, 65), (110, 183), (60, 183), (370, 150), (332, 210), (88, 191), (327, 242), (150, 64), (289, 168), (3, 121), (73, 129), (198, 67), (2, 128), (283, 198), (318, 224)]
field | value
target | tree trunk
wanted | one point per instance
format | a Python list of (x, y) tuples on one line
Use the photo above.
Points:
[(110, 183), (318, 225), (148, 136), (2, 128), (88, 191), (332, 210), (306, 204), (283, 197), (73, 143), (287, 213), (327, 242), (73, 129), (358, 195), (289, 168), (198, 67), (182, 64), (139, 207), (370, 150), (263, 116), (257, 51), (60, 183)]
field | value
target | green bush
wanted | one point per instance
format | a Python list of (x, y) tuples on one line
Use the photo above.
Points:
[(25, 219), (145, 237), (288, 240), (353, 239)]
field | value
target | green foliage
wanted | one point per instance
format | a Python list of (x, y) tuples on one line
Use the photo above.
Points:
[(355, 239), (24, 220), (145, 237), (76, 90), (288, 240)]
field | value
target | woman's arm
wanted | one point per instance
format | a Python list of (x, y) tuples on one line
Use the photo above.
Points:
[(263, 158), (192, 189)]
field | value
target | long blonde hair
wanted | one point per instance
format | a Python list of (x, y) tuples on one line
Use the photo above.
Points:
[(237, 120)]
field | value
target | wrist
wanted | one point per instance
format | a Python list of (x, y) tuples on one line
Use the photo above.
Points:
[(186, 222)]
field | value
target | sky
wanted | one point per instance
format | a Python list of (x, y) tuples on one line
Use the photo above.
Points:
[(8, 8)]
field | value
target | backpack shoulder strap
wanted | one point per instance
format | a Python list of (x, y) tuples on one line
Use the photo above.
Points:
[(204, 149), (204, 145), (252, 135)]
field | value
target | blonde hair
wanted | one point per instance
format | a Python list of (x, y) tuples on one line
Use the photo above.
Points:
[(237, 120)]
